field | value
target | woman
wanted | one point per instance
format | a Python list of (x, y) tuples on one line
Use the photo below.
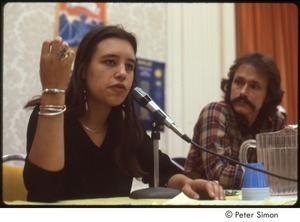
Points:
[(84, 139)]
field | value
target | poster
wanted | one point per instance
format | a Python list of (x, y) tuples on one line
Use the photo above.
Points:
[(151, 78), (75, 19)]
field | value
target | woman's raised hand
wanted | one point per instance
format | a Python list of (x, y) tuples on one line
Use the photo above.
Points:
[(56, 63)]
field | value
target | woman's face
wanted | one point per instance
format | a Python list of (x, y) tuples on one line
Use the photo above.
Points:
[(110, 74)]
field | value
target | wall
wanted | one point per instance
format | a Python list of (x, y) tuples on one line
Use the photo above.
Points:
[(201, 47), (195, 40)]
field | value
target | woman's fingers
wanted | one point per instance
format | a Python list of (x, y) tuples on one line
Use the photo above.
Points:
[(55, 64), (56, 45), (203, 189), (46, 46), (190, 192), (217, 189)]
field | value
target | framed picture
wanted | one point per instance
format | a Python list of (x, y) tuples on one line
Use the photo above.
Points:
[(75, 19)]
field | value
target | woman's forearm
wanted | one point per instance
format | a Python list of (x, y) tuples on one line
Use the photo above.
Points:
[(47, 150)]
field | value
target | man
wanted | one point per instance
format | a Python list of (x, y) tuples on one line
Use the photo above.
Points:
[(252, 94)]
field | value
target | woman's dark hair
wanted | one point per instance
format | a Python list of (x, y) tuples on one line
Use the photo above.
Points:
[(75, 97), (264, 65), (128, 130)]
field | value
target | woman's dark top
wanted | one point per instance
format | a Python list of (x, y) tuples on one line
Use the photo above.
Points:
[(89, 171)]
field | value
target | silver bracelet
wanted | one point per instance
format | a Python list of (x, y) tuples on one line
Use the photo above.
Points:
[(51, 113), (52, 106), (50, 109), (53, 90)]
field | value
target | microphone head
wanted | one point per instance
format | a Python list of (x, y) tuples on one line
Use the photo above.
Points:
[(140, 96), (138, 93)]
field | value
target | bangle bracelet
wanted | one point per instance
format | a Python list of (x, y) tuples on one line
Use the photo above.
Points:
[(52, 106), (53, 90), (51, 113), (50, 109)]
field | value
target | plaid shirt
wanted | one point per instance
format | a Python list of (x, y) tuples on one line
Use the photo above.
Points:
[(219, 129)]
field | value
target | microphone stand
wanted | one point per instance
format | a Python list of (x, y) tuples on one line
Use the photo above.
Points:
[(155, 192)]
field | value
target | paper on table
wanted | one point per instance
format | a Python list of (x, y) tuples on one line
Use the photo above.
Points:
[(182, 199)]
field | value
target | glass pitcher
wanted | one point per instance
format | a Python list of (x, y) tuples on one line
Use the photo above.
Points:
[(278, 152)]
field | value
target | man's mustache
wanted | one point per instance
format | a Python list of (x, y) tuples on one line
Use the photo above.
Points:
[(243, 100)]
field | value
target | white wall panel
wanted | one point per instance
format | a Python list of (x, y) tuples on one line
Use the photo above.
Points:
[(201, 44)]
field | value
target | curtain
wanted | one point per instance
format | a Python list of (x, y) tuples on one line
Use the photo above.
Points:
[(272, 29)]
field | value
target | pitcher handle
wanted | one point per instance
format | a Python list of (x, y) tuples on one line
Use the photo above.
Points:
[(243, 151)]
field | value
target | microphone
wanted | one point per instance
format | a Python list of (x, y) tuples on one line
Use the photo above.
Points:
[(144, 100)]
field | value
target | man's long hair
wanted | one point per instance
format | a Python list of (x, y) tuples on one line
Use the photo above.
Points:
[(264, 65)]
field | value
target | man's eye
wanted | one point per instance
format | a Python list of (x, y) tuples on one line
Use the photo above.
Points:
[(255, 87), (238, 82)]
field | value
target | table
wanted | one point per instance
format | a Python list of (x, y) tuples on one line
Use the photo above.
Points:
[(181, 199), (235, 200)]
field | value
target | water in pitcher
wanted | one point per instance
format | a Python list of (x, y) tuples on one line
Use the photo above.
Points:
[(281, 161)]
